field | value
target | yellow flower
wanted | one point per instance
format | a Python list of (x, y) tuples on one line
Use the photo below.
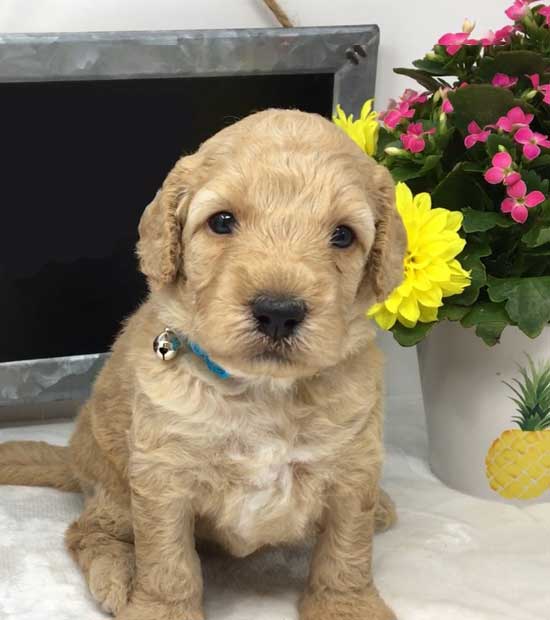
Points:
[(363, 131), (431, 269)]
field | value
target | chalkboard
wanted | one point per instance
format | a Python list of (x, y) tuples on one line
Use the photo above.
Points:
[(81, 160)]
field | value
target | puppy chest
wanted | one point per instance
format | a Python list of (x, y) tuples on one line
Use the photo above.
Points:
[(276, 492)]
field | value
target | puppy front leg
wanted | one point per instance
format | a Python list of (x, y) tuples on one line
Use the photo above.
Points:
[(168, 582), (340, 585)]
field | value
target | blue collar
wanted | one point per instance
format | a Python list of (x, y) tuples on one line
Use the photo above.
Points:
[(168, 343), (211, 365)]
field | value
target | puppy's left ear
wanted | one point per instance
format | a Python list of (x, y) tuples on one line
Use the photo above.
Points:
[(384, 269), (160, 229)]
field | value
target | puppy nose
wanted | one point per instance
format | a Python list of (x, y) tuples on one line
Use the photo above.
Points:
[(278, 317)]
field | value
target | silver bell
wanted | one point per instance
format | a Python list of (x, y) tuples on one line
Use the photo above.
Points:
[(166, 345)]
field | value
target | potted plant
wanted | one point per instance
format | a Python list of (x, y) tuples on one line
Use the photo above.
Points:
[(471, 157)]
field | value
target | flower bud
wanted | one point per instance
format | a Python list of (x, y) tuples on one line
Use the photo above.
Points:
[(468, 26), (530, 95), (442, 122), (502, 148), (529, 21), (432, 56), (394, 151)]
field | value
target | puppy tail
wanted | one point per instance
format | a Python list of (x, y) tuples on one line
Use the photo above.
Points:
[(37, 464)]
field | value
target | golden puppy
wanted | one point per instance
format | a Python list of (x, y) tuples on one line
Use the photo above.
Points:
[(262, 251)]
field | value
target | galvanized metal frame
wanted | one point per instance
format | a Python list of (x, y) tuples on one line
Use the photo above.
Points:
[(34, 389)]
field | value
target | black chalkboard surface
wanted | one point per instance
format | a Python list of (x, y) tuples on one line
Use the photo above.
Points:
[(80, 161)]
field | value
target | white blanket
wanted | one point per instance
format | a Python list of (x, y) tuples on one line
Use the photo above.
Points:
[(451, 557)]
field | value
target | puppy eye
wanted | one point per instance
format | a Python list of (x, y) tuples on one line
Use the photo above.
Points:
[(222, 223), (342, 237)]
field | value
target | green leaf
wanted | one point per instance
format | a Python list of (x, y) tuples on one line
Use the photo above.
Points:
[(385, 138), (470, 166), (515, 62), (527, 301), (538, 235), (489, 319), (409, 336), (477, 247), (541, 162), (495, 140), (430, 163), (527, 263), (478, 279), (470, 259), (405, 172), (424, 79), (480, 221), (534, 182), (541, 36), (459, 190), (541, 250), (526, 106), (481, 103), (433, 67), (452, 145), (452, 312)]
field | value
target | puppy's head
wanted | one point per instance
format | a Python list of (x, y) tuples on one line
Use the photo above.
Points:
[(267, 245)]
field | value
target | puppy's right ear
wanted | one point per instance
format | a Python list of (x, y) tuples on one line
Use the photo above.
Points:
[(384, 270), (159, 247)]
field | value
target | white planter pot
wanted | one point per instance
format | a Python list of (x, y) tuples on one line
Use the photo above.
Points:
[(468, 407)]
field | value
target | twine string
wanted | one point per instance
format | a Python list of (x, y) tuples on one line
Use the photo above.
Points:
[(279, 13)]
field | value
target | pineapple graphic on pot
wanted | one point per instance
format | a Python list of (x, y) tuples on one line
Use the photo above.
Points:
[(518, 462)]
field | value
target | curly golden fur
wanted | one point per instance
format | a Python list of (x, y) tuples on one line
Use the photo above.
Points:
[(290, 446)]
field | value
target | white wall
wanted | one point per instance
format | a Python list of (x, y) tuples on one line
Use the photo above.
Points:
[(408, 29)]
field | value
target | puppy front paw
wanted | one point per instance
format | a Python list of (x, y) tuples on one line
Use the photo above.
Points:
[(144, 607), (329, 606), (110, 581)]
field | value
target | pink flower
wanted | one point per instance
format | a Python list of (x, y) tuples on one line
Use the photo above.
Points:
[(476, 135), (519, 201), (502, 171), (544, 89), (515, 119), (452, 42), (518, 10), (501, 36), (504, 81), (545, 11), (393, 116), (412, 97), (413, 140), (447, 106), (531, 140)]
